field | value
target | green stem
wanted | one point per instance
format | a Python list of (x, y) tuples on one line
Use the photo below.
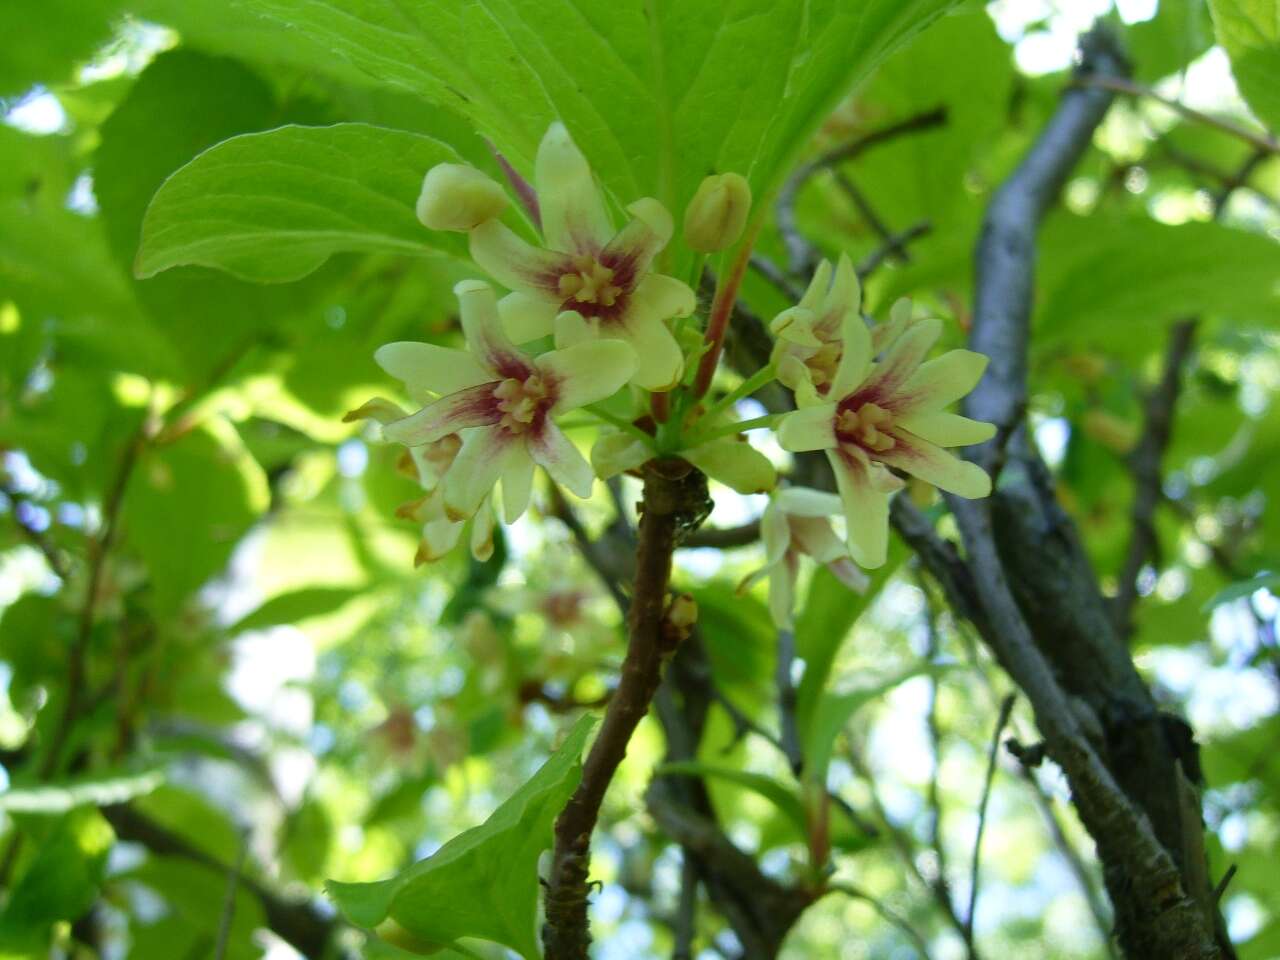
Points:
[(623, 425), (731, 428), (744, 389)]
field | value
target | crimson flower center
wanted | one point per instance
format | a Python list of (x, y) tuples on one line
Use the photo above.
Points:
[(864, 426), (590, 281), (521, 402)]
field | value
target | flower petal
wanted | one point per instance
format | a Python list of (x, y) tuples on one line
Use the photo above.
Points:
[(572, 328), (813, 428), (941, 381), (775, 532), (855, 357), (481, 461), (560, 458), (795, 325), (526, 316), (946, 429), (636, 244), (515, 263), (664, 297), (884, 335), (866, 509), (807, 502), (819, 284), (427, 370), (661, 361), (587, 372), (735, 463), (472, 407), (574, 218), (517, 485), (847, 572), (482, 327), (439, 536), (900, 360), (931, 463), (782, 591), (482, 531)]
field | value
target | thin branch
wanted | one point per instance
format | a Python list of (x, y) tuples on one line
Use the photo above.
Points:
[(1116, 84), (1006, 708), (896, 241), (725, 538), (776, 276), (675, 499), (893, 248), (19, 502), (686, 921), (1145, 464), (912, 934), (1237, 180), (229, 901), (800, 252)]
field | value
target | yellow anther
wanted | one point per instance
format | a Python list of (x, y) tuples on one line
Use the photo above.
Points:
[(520, 401), (590, 282)]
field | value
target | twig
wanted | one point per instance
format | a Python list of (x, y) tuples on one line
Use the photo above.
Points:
[(1124, 85), (1006, 708), (1221, 888), (36, 537), (686, 909), (675, 498), (897, 241), (790, 739), (1145, 463), (775, 275), (800, 253), (300, 925), (892, 917), (935, 733), (229, 901), (891, 245), (724, 538), (1237, 180)]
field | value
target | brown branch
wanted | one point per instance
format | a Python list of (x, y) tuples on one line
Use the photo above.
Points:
[(1145, 463), (912, 934), (775, 275), (896, 241), (893, 248), (800, 252), (1117, 84), (724, 538), (787, 722), (675, 500)]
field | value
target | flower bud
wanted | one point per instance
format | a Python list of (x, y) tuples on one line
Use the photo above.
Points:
[(458, 197), (717, 213)]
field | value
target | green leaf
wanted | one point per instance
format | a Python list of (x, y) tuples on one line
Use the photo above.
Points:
[(776, 792), (295, 606), (1245, 588), (1111, 278), (274, 206), (60, 883), (55, 35), (1180, 31), (830, 611), (1250, 32), (483, 883), (99, 790), (656, 93), (833, 712)]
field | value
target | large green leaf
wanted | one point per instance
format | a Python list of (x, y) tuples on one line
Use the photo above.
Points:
[(274, 206), (1250, 32), (657, 92), (483, 883), (46, 38), (1180, 31), (1113, 278)]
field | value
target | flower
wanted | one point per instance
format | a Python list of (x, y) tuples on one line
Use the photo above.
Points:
[(796, 522), (588, 281), (810, 334), (886, 414), (501, 402), (427, 464), (717, 213)]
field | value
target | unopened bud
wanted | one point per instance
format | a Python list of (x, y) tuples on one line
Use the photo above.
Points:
[(458, 197), (717, 213), (682, 614), (1117, 435)]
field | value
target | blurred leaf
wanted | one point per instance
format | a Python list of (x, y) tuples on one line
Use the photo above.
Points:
[(1115, 279), (60, 883), (785, 798), (483, 883), (49, 37), (294, 607), (308, 837), (274, 206), (193, 894), (1245, 588), (1250, 32), (829, 613), (1180, 31), (100, 790)]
